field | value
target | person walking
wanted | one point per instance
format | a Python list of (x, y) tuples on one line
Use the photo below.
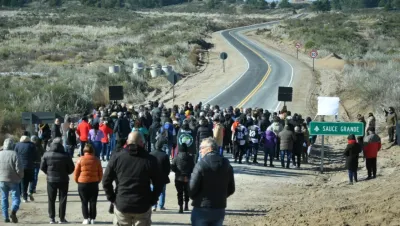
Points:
[(186, 137), (270, 141), (64, 130), (88, 174), (218, 134), (95, 137), (153, 130), (40, 152), (57, 165), (391, 121), (372, 145), (183, 165), (254, 139), (211, 183), (11, 174), (352, 153), (202, 132), (132, 198), (56, 129), (287, 138), (83, 133), (44, 134), (165, 168), (276, 127), (298, 147), (105, 141), (71, 140), (27, 152), (122, 127), (228, 146)]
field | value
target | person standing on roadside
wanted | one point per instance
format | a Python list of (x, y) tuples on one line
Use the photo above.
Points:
[(71, 140), (27, 152), (270, 141), (298, 147), (57, 165), (183, 165), (371, 122), (202, 132), (165, 168), (153, 130), (44, 134), (372, 145), (64, 130), (240, 138), (218, 134), (105, 141), (56, 129), (11, 174), (352, 153), (391, 121), (254, 139), (133, 198), (88, 174), (95, 137), (211, 183), (287, 139), (40, 151), (83, 133)]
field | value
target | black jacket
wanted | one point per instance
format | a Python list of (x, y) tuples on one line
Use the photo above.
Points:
[(154, 128), (27, 153), (183, 165), (55, 131), (352, 153), (264, 124), (71, 137), (212, 182), (163, 164), (186, 136), (228, 131), (298, 143), (122, 128), (57, 164), (134, 169), (202, 133)]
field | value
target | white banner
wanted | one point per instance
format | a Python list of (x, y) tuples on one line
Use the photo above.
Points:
[(328, 105)]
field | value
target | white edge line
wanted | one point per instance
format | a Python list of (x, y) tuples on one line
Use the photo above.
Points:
[(248, 64)]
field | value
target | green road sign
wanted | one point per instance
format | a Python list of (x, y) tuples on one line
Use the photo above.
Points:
[(337, 128)]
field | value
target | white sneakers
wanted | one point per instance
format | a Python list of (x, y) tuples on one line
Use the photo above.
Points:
[(88, 221)]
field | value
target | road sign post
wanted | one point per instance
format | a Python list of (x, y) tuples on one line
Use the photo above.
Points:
[(313, 55), (223, 57), (298, 45)]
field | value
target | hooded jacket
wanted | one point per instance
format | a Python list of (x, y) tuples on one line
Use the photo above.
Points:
[(352, 153), (11, 169), (202, 133), (163, 162), (372, 145), (122, 128), (212, 182), (88, 169), (269, 139), (154, 128), (57, 164), (27, 153), (186, 136), (134, 169), (83, 131), (183, 165), (298, 144), (287, 138)]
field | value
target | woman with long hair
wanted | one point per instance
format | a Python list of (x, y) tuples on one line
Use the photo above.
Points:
[(88, 173), (95, 136)]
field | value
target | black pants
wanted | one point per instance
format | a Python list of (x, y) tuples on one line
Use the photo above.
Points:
[(298, 156), (240, 151), (371, 167), (391, 134), (62, 189), (277, 149), (28, 179), (88, 192), (83, 143), (183, 190)]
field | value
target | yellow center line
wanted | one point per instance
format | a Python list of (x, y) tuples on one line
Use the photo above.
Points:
[(259, 85)]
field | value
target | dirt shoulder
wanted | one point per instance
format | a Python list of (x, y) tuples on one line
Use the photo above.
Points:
[(210, 81)]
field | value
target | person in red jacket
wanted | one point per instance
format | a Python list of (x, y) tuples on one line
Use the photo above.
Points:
[(83, 133), (105, 151), (372, 144)]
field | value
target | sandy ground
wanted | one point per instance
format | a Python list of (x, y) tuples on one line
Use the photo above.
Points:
[(210, 81)]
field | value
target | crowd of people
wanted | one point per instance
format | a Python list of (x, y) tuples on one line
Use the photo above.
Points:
[(142, 146)]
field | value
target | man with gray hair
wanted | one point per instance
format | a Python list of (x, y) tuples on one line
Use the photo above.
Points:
[(11, 174), (211, 183)]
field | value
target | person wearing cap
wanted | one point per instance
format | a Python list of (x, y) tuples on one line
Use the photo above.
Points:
[(352, 152), (28, 155), (372, 145), (40, 151), (11, 174)]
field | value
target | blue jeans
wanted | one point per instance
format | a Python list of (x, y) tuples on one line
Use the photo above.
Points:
[(207, 217), (161, 199), (289, 156), (352, 175), (221, 151), (252, 150), (104, 150), (32, 187), (6, 188), (97, 145), (269, 152)]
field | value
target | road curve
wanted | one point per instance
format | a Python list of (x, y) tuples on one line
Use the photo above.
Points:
[(258, 86)]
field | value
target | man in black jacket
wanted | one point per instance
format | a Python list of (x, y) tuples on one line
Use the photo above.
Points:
[(165, 168), (154, 128), (56, 129), (27, 152), (122, 127), (202, 132), (186, 136), (212, 182), (57, 165), (133, 169)]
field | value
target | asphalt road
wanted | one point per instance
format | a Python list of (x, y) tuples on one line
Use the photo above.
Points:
[(258, 86)]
